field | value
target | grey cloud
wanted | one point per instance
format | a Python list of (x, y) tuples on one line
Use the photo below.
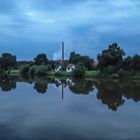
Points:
[(86, 26)]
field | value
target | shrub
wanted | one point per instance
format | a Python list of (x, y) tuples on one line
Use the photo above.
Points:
[(124, 74), (24, 69), (41, 70), (32, 70), (110, 69)]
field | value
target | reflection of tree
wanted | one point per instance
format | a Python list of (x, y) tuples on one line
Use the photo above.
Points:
[(110, 94), (7, 83), (81, 86), (131, 90), (41, 87)]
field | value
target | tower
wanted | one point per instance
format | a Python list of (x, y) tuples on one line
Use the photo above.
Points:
[(62, 52)]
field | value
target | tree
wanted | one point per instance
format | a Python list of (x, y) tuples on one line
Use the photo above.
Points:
[(132, 63), (73, 55), (41, 59), (79, 70), (7, 61), (76, 58), (112, 56), (135, 63)]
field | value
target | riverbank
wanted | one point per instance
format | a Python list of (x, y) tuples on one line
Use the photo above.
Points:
[(88, 74), (57, 74)]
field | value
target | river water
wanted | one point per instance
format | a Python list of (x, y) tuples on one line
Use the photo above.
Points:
[(77, 109)]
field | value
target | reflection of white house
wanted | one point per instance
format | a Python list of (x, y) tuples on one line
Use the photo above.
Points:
[(70, 67), (58, 68), (70, 82)]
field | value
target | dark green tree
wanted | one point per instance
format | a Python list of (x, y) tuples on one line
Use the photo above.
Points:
[(86, 60), (79, 70), (7, 61), (127, 62), (41, 59), (132, 63), (73, 55), (135, 63), (112, 56)]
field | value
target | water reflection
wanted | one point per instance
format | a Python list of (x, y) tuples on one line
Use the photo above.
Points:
[(109, 92), (7, 83)]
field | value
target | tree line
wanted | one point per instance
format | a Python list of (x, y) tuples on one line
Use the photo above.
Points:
[(110, 61)]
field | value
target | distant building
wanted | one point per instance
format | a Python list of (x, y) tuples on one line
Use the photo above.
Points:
[(70, 67)]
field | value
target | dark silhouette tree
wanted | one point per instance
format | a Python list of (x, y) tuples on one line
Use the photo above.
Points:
[(7, 61), (41, 59), (79, 70), (112, 56), (76, 58)]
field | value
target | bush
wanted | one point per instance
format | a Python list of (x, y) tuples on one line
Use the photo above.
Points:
[(41, 70), (24, 69), (124, 74), (32, 70), (110, 69)]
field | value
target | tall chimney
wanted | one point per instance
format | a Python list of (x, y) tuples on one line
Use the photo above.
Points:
[(62, 52)]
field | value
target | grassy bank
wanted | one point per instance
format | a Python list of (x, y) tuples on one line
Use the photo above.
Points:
[(56, 74), (13, 72)]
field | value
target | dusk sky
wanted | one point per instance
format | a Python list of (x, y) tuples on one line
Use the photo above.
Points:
[(30, 27)]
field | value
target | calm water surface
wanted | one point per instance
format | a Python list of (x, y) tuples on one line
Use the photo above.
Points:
[(69, 110)]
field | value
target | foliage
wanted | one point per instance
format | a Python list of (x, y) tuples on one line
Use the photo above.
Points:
[(112, 56), (135, 63), (124, 74), (41, 70), (132, 63), (86, 60), (32, 70), (7, 61), (110, 69), (24, 69), (41, 59), (79, 70)]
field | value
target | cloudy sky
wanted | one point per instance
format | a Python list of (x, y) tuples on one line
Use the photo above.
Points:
[(29, 27)]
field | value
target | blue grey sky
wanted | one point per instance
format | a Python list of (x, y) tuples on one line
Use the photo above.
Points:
[(29, 27)]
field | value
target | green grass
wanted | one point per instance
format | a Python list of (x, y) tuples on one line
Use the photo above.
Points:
[(14, 72), (57, 74), (90, 73), (63, 73)]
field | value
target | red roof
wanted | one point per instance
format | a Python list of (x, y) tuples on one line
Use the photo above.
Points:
[(70, 65)]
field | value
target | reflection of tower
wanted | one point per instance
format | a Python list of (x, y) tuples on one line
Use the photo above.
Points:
[(62, 91), (62, 63), (62, 52)]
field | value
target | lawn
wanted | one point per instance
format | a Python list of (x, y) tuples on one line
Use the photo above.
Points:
[(90, 73)]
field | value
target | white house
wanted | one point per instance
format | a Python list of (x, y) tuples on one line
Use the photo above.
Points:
[(58, 68), (70, 67)]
